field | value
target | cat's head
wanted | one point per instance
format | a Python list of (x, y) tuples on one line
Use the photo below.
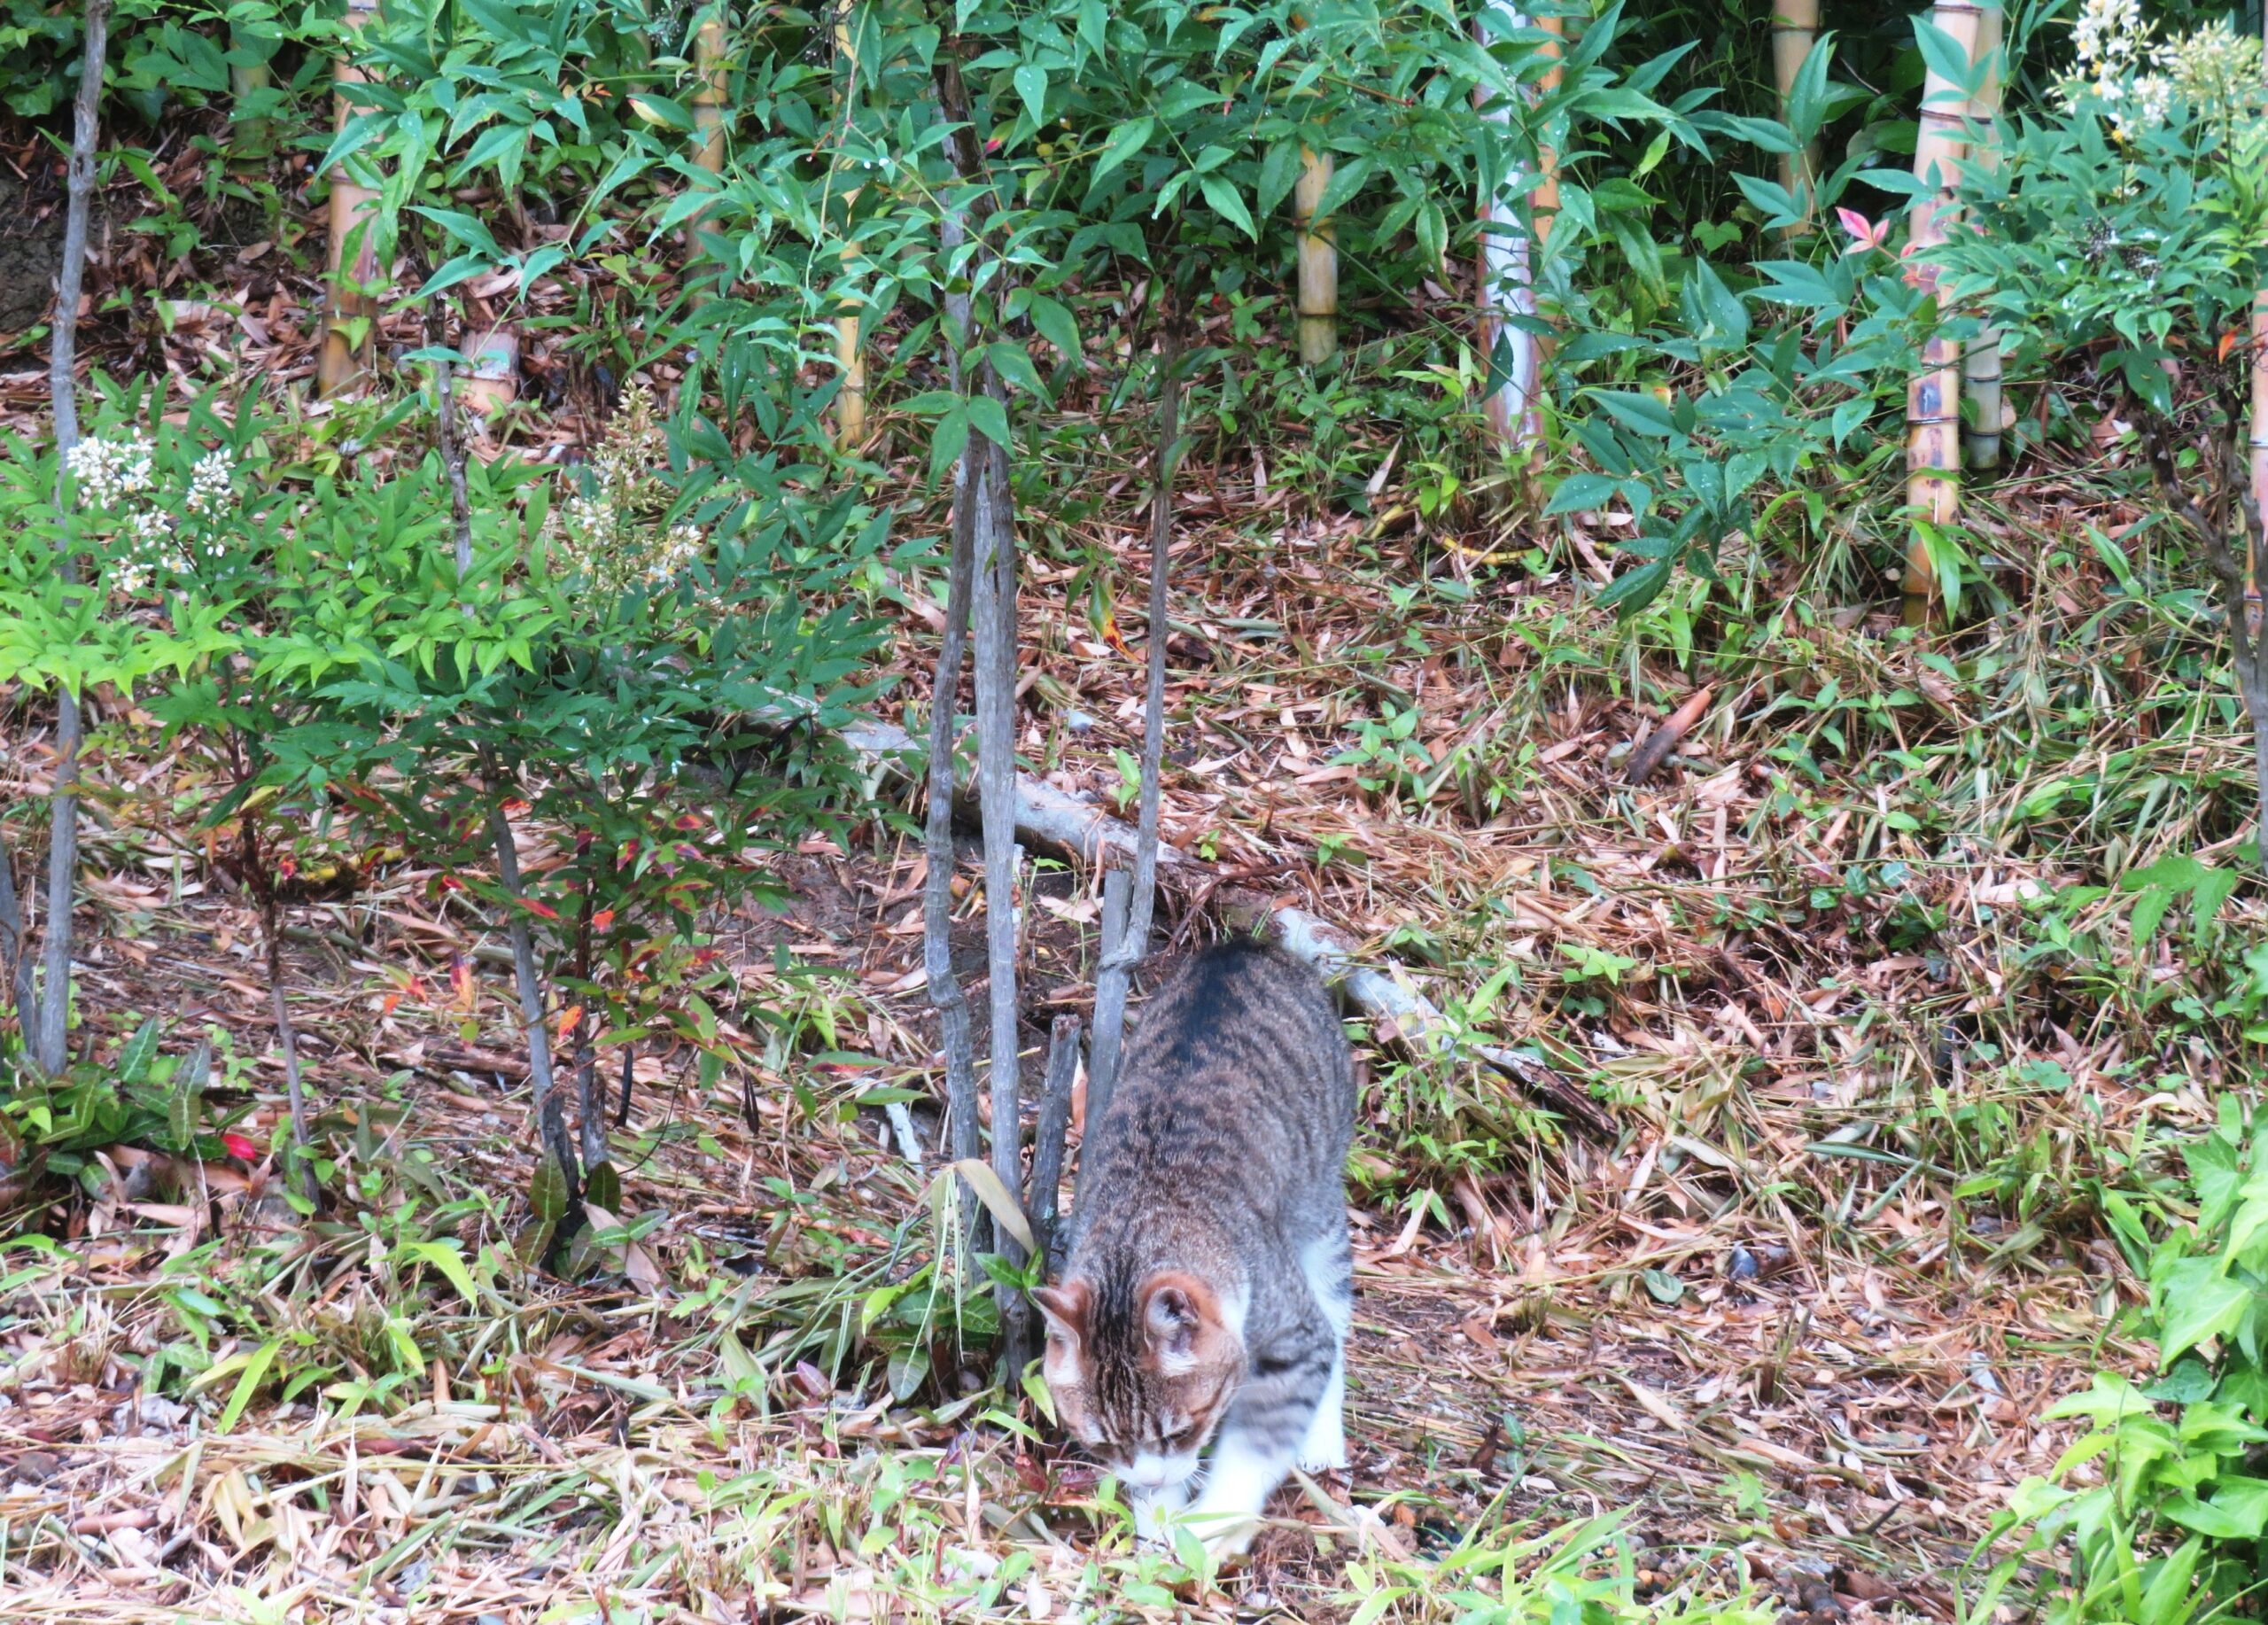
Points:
[(1140, 1377)]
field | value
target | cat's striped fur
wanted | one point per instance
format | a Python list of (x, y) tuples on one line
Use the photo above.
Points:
[(1206, 1291)]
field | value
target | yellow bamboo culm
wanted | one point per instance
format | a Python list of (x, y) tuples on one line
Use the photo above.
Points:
[(1794, 30), (851, 399), (709, 99), (1986, 418), (1318, 251), (1933, 397), (247, 80), (351, 311)]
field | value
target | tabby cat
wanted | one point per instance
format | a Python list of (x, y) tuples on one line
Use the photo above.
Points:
[(1206, 1289)]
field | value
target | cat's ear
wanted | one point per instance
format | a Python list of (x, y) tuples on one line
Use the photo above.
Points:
[(1183, 1320), (1066, 1310)]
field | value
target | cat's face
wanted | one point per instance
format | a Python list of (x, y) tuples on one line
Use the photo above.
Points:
[(1143, 1391)]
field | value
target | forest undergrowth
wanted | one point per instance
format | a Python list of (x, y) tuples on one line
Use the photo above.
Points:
[(1905, 967)]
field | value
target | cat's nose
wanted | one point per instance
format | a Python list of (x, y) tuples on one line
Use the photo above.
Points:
[(1149, 1474)]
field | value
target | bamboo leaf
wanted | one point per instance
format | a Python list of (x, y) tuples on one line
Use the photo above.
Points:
[(1006, 1211)]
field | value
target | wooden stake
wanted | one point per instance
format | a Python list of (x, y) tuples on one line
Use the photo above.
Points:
[(1933, 396), (351, 314), (2259, 411), (1795, 30), (1980, 364)]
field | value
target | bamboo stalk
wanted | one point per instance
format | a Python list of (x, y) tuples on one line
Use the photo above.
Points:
[(1933, 395), (351, 312), (851, 399), (247, 80), (1795, 30), (1318, 252), (709, 99), (1980, 363), (1508, 256)]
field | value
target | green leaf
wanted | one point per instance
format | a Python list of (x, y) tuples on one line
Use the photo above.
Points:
[(1054, 320), (2199, 1303), (1031, 84), (990, 418), (1632, 592), (1221, 194), (1279, 172), (547, 1191), (1125, 141), (1647, 413), (255, 1368), (1011, 363), (444, 1256)]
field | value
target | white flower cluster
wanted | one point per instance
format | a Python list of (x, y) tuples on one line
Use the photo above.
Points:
[(611, 532), (150, 545), (2215, 69), (211, 484), (109, 471)]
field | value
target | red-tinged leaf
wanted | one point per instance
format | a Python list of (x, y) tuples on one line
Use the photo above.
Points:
[(689, 821), (567, 1022), (461, 984), (602, 920), (1110, 635), (2229, 341), (544, 909), (450, 882), (515, 808), (240, 1145), (387, 1005), (287, 867)]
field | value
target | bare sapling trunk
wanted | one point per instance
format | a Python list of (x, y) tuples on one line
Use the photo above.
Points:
[(995, 617), (945, 995), (49, 1044), (552, 1134), (1795, 30), (1126, 949), (262, 883), (351, 314), (1045, 1192), (1980, 362), (1933, 395), (15, 955)]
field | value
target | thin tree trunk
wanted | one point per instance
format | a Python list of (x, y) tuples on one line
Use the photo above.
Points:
[(350, 320), (261, 885), (1795, 30), (550, 1108), (945, 995), (15, 957), (995, 617), (247, 80), (50, 1043), (1933, 396), (1980, 361), (1046, 1188), (1120, 959)]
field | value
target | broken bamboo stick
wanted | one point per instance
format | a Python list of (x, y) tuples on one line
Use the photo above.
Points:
[(351, 309), (1795, 30)]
